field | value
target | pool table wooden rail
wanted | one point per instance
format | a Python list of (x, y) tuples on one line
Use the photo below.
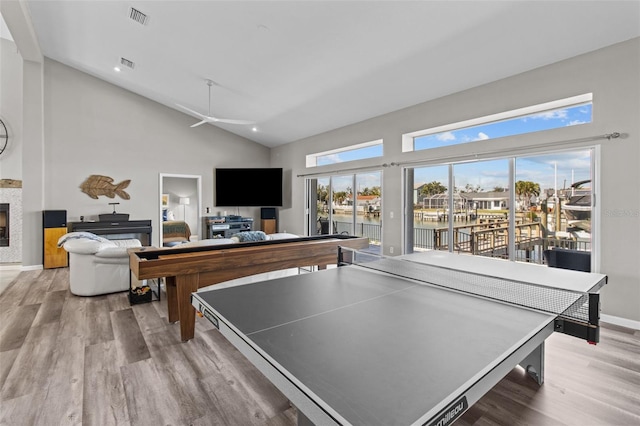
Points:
[(187, 269)]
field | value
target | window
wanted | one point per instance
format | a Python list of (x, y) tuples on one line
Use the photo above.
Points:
[(333, 209), (360, 151), (572, 111), (482, 208), (479, 201), (555, 190)]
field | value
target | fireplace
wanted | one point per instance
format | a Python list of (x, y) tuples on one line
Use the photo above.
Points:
[(4, 225)]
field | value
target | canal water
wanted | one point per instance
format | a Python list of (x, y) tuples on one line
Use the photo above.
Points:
[(343, 218)]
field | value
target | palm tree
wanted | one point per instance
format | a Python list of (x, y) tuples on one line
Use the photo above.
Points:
[(340, 196), (468, 188), (433, 188), (525, 189), (371, 191)]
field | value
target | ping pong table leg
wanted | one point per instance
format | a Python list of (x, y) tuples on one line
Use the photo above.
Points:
[(303, 420), (534, 364), (185, 285)]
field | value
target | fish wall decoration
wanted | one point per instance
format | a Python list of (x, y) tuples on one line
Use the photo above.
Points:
[(97, 185)]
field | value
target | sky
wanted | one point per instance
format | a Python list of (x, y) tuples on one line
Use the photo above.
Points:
[(356, 154), (569, 116), (550, 171), (545, 170)]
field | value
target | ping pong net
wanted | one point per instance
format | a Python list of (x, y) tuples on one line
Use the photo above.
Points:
[(577, 313)]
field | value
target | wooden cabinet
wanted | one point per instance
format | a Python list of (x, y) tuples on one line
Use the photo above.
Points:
[(268, 226), (54, 256), (54, 226)]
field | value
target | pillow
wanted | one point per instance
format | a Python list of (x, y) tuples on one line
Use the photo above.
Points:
[(170, 215), (80, 235), (281, 236), (242, 237)]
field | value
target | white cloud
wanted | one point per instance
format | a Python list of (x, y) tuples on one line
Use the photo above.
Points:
[(446, 136), (481, 137), (331, 159), (559, 114), (574, 165), (576, 122)]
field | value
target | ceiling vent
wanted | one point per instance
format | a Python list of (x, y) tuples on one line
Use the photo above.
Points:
[(138, 16), (127, 63)]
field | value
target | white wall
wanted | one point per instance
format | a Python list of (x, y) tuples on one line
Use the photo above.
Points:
[(93, 127), (11, 109), (11, 158), (611, 74)]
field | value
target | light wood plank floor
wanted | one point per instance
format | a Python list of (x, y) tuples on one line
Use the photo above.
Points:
[(99, 361)]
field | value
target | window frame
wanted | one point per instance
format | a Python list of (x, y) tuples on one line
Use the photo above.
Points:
[(408, 139), (511, 157), (311, 160)]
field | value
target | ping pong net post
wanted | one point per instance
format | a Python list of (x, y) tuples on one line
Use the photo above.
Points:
[(577, 313)]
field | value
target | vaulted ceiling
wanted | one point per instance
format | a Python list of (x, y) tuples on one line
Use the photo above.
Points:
[(299, 68)]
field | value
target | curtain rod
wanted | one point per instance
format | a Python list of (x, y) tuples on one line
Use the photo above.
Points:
[(473, 156), (608, 136), (353, 169)]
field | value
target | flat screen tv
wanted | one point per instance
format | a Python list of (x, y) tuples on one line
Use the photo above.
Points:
[(248, 187)]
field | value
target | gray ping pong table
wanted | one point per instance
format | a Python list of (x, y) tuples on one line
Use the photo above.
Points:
[(411, 340)]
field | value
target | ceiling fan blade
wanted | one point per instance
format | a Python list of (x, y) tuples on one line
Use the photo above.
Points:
[(199, 123), (209, 118), (232, 121), (192, 111)]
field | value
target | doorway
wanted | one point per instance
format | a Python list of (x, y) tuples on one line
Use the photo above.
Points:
[(180, 199)]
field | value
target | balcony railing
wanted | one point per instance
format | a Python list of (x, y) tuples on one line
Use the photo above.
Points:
[(490, 239), (372, 231)]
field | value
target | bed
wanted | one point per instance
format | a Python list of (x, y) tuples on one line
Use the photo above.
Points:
[(175, 232)]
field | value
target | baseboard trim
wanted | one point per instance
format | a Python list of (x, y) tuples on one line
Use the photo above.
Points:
[(10, 267), (32, 268), (623, 322)]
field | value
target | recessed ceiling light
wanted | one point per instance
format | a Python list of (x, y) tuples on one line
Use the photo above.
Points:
[(116, 69), (255, 129)]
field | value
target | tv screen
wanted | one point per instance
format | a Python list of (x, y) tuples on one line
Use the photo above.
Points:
[(253, 187)]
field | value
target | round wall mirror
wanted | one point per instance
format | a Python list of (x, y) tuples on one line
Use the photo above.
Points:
[(4, 136)]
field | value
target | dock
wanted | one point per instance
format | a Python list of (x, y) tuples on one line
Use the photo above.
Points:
[(492, 239), (460, 216)]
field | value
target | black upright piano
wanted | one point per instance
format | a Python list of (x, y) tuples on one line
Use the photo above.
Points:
[(140, 229)]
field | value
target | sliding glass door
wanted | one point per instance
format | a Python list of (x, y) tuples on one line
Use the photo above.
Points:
[(513, 208), (481, 208), (346, 204), (342, 204), (429, 206), (368, 213), (554, 194)]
